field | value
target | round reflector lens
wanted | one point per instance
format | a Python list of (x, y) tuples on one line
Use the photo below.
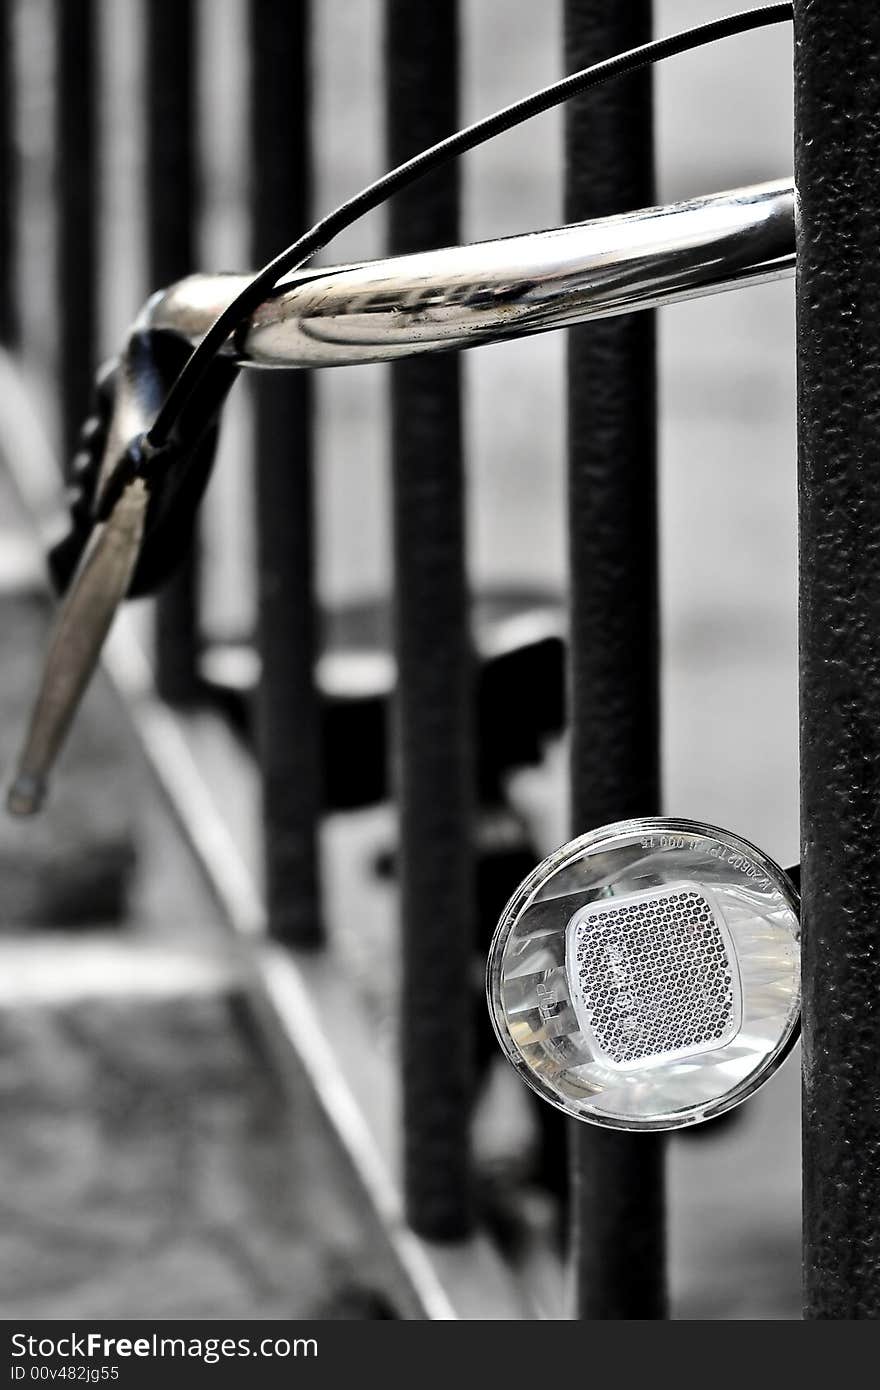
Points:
[(647, 976)]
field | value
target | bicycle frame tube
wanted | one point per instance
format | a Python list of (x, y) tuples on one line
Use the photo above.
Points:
[(462, 296)]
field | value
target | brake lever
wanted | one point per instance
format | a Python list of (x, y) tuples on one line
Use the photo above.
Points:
[(132, 516), (83, 621)]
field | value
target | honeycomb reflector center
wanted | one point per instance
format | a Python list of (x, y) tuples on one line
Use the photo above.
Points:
[(653, 976)]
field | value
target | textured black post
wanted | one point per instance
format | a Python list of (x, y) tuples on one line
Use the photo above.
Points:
[(837, 136), (172, 176), (618, 1198), (433, 714), (8, 179), (76, 167), (288, 711)]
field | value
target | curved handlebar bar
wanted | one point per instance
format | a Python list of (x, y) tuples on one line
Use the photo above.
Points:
[(372, 312), (462, 296)]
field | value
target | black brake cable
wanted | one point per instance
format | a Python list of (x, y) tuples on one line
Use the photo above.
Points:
[(240, 309)]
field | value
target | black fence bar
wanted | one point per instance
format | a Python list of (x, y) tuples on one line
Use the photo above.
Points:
[(8, 177), (617, 1186), (433, 718), (288, 710), (76, 171), (172, 191), (837, 117)]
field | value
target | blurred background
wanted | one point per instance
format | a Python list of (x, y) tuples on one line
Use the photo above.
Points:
[(164, 1154)]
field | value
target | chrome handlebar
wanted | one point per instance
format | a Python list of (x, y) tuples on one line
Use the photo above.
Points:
[(462, 296), (375, 312)]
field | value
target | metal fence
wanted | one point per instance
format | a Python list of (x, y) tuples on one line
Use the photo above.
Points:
[(616, 1201)]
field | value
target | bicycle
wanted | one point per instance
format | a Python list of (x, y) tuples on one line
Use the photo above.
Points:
[(146, 458)]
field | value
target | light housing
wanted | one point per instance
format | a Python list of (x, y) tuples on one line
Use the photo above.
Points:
[(646, 976)]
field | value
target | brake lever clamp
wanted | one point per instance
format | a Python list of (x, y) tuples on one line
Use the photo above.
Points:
[(132, 516), (114, 447)]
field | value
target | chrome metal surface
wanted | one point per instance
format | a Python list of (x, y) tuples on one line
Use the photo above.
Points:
[(462, 296), (452, 298)]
